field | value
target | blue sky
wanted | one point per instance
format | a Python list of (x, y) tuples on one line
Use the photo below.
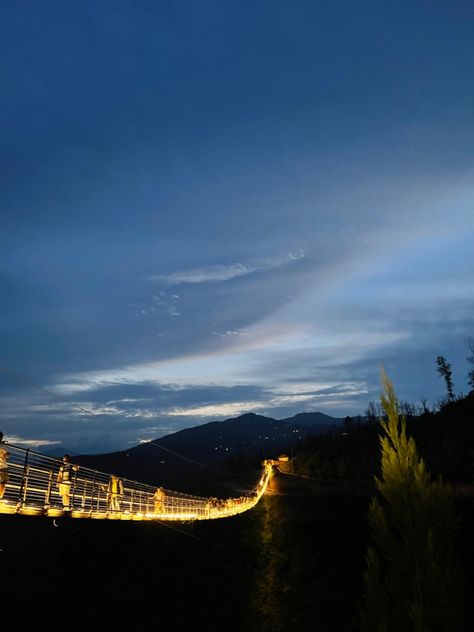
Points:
[(214, 207)]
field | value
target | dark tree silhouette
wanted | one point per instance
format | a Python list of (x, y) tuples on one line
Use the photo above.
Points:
[(424, 406), (444, 369), (372, 412), (470, 375)]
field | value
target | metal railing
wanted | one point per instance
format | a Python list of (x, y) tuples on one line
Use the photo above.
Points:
[(33, 488)]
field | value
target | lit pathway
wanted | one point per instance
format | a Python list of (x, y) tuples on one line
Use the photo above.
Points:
[(32, 490)]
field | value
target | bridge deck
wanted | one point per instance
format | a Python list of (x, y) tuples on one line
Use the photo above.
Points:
[(33, 490)]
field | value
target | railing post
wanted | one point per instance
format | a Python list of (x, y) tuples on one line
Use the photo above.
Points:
[(93, 491), (84, 491), (73, 489), (47, 498), (24, 480)]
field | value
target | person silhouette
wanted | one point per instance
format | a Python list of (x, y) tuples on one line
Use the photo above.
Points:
[(114, 493), (159, 498), (64, 480), (4, 454)]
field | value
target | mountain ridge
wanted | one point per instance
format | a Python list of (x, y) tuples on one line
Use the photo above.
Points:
[(235, 442)]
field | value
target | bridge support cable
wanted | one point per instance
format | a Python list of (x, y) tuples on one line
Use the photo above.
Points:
[(36, 487)]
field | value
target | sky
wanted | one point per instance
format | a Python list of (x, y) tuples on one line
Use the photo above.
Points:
[(210, 208)]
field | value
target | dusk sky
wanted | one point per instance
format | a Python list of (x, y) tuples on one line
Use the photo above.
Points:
[(214, 207)]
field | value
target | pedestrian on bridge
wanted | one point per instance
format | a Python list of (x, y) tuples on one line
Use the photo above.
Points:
[(114, 493), (159, 498), (64, 480), (4, 454)]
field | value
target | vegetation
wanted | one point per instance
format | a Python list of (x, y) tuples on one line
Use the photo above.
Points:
[(444, 437), (444, 369), (470, 359), (412, 582)]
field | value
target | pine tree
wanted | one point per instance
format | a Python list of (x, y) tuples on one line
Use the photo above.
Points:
[(470, 359), (412, 583), (444, 369)]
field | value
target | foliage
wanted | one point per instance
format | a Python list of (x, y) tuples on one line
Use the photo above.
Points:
[(350, 453), (411, 582), (444, 369), (470, 359), (445, 438)]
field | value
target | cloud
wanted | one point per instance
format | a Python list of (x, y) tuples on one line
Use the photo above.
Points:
[(230, 332), (304, 397), (228, 409), (33, 443), (219, 273)]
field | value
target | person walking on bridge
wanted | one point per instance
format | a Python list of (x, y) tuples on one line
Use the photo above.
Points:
[(64, 480), (4, 454), (114, 493), (159, 498)]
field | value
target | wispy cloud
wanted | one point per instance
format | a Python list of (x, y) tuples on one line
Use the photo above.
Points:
[(219, 273), (304, 399), (217, 410), (33, 443), (230, 332)]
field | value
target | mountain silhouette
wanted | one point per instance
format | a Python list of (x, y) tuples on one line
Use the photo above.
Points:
[(314, 419), (244, 440)]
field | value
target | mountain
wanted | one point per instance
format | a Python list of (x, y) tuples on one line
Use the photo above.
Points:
[(246, 435), (314, 419), (241, 442), (56, 451)]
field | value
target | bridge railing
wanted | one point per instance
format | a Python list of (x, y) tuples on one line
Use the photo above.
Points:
[(33, 488)]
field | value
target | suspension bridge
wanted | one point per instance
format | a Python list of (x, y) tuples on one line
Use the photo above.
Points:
[(36, 487)]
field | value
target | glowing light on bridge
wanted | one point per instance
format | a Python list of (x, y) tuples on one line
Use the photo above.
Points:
[(33, 490)]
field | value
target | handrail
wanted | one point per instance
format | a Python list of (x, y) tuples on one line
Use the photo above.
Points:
[(33, 489)]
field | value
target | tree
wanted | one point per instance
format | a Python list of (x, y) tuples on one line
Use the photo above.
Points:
[(424, 406), (444, 369), (371, 413), (412, 582), (470, 375), (408, 409)]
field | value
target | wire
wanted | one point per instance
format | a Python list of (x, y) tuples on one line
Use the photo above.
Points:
[(245, 561), (214, 469), (89, 412), (195, 537), (41, 548), (45, 390)]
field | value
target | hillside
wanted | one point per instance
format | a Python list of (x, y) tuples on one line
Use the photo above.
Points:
[(211, 451), (445, 439)]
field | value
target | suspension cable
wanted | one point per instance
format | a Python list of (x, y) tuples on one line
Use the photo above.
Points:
[(25, 379)]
